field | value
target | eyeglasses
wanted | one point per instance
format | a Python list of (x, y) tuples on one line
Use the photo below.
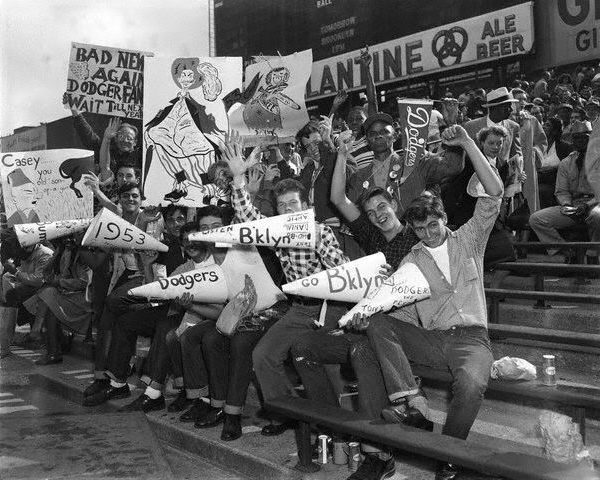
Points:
[(125, 137)]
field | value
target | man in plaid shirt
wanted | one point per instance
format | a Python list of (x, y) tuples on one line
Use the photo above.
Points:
[(273, 349)]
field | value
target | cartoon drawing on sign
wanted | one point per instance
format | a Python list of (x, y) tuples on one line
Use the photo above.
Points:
[(263, 113), (182, 136), (24, 195), (74, 168)]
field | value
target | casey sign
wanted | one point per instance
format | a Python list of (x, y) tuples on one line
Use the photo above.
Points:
[(503, 33)]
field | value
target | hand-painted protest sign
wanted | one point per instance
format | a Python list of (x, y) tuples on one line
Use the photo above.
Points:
[(106, 80), (46, 185), (271, 108), (32, 233), (291, 230), (206, 284), (406, 285), (414, 115), (592, 159), (349, 282), (186, 123), (111, 231)]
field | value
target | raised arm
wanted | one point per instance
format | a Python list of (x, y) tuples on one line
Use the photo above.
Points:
[(93, 182), (364, 60), (106, 173), (338, 182)]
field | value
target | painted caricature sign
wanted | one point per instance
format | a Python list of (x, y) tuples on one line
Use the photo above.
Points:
[(272, 107), (106, 80), (186, 125), (46, 185)]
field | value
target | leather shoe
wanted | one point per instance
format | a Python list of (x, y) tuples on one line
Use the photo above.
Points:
[(109, 393), (96, 386), (198, 409), (446, 471), (212, 418), (144, 404), (410, 417), (180, 403), (49, 360), (232, 427), (274, 429)]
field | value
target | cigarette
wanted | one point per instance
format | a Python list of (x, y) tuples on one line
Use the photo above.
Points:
[(433, 142)]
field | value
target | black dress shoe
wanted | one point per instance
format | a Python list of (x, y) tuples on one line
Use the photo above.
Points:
[(49, 360), (232, 427), (446, 471), (96, 386), (180, 403), (211, 419), (198, 409), (274, 429), (410, 417), (109, 393), (144, 404)]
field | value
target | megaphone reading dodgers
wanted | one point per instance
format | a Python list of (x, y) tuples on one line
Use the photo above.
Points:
[(206, 284), (32, 233), (406, 285), (291, 230), (349, 282), (108, 230)]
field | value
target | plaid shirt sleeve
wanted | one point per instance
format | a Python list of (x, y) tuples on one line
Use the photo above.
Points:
[(245, 211), (328, 249)]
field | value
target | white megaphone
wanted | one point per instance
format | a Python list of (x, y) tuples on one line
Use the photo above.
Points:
[(32, 233), (349, 282), (108, 230), (206, 284), (291, 230), (406, 285)]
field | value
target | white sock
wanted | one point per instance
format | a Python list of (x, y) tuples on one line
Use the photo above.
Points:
[(116, 384), (152, 393)]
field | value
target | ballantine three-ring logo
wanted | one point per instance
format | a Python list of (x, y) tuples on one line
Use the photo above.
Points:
[(448, 44), (417, 123)]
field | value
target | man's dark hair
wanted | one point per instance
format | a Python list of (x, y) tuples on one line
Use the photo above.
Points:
[(128, 186), (288, 185), (374, 192), (212, 211), (170, 209), (136, 171), (425, 205), (188, 228), (497, 130), (306, 130)]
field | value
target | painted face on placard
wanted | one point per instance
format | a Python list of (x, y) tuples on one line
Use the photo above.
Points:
[(24, 196), (382, 213), (130, 201), (432, 232), (290, 202), (186, 79)]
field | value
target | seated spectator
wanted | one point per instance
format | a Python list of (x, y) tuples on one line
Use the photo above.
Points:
[(452, 322), (387, 169), (63, 301), (576, 201)]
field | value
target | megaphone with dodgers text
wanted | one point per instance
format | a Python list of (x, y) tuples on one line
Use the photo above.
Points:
[(349, 282), (108, 230), (406, 285), (33, 233)]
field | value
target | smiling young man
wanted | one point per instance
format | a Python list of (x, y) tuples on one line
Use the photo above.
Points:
[(449, 329)]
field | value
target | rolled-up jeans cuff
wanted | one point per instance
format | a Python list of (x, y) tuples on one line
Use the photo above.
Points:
[(398, 395), (111, 375), (146, 380), (156, 385)]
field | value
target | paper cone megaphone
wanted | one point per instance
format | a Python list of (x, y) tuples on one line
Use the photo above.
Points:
[(291, 230), (406, 285), (349, 282), (32, 233), (108, 230), (206, 284)]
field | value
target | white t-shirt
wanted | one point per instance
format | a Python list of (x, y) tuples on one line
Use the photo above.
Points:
[(442, 259)]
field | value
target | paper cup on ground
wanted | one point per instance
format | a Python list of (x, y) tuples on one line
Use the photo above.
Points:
[(108, 230), (292, 230), (405, 286), (349, 282), (32, 233), (207, 285)]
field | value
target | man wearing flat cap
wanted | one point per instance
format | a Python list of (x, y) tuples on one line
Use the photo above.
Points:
[(387, 170), (23, 193)]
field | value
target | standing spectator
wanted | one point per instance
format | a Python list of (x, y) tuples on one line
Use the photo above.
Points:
[(557, 151), (541, 86)]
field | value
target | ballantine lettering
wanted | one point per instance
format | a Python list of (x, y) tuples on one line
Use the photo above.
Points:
[(255, 236), (340, 279), (188, 281)]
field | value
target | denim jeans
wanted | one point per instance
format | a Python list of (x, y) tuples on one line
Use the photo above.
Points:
[(464, 351)]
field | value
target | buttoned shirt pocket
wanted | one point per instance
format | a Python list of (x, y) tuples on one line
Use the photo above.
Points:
[(470, 270)]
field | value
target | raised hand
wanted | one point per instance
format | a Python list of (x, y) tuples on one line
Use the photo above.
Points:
[(255, 176), (232, 154), (325, 127), (91, 181), (364, 59), (185, 301), (450, 111), (65, 101), (358, 322), (345, 140), (455, 136), (112, 128), (272, 172), (339, 99), (386, 270)]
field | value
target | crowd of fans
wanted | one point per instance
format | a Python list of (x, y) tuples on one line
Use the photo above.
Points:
[(525, 146)]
